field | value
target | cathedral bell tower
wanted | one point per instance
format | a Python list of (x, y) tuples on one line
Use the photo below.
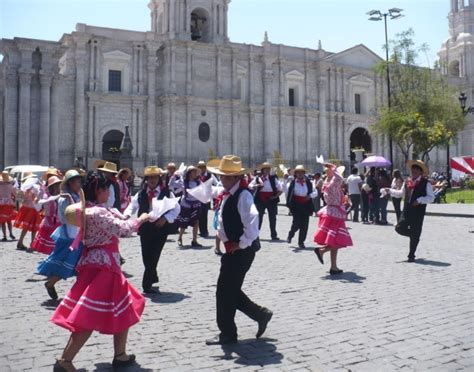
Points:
[(203, 21), (457, 53)]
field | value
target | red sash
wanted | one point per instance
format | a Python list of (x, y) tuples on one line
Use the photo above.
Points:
[(265, 195)]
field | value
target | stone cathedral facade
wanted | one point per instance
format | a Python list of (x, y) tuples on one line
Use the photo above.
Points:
[(185, 90)]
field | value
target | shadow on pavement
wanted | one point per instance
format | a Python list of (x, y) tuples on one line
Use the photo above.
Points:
[(166, 297), (347, 277), (108, 367), (299, 250), (422, 261), (253, 352), (281, 241), (51, 304), (188, 247)]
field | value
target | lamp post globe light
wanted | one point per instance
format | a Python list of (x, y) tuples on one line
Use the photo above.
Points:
[(377, 15)]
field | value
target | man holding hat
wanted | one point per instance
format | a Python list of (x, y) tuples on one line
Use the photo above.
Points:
[(267, 195), (109, 170), (153, 235), (238, 230), (418, 192), (299, 201)]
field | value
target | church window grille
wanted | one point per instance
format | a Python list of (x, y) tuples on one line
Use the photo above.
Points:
[(357, 103), (291, 97), (115, 81), (204, 132)]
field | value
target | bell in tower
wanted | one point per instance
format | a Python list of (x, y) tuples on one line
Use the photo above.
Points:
[(202, 21)]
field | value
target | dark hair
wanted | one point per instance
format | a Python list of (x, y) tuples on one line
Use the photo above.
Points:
[(317, 174), (354, 170), (397, 173), (94, 182), (417, 166)]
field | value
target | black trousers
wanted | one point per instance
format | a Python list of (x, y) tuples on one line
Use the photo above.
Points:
[(272, 207), (301, 223), (397, 206), (229, 294), (355, 201), (203, 230), (411, 225), (152, 240)]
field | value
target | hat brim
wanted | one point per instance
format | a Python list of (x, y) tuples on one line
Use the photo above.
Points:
[(107, 170), (55, 183), (154, 174), (219, 172), (411, 163)]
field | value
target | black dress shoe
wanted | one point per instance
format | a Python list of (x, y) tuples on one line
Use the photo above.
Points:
[(263, 322), (195, 244), (151, 290), (117, 363), (219, 340), (122, 260), (21, 247), (4, 239), (301, 246), (335, 272), (319, 255), (276, 239), (288, 240), (411, 259), (51, 291), (12, 237)]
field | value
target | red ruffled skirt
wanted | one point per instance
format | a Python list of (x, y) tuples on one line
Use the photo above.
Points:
[(332, 232), (43, 242), (28, 219), (7, 213), (100, 300)]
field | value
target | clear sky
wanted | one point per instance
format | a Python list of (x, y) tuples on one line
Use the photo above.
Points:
[(339, 24)]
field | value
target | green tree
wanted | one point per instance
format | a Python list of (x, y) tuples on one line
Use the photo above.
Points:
[(424, 110)]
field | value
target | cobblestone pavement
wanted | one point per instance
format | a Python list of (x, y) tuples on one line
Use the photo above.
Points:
[(382, 314)]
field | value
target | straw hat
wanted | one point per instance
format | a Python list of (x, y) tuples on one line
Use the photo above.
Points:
[(28, 175), (123, 170), (422, 165), (171, 165), (53, 180), (299, 168), (70, 174), (6, 177), (229, 165), (191, 168), (50, 172), (153, 170), (75, 214), (265, 165), (202, 164), (108, 167), (99, 164), (341, 170)]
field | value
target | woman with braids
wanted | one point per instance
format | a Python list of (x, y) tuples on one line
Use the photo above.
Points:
[(101, 299), (61, 263), (190, 207)]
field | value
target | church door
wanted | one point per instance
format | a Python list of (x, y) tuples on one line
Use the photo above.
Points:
[(111, 143)]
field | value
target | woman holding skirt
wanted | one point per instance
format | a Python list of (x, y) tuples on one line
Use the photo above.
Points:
[(101, 299), (7, 205), (332, 233)]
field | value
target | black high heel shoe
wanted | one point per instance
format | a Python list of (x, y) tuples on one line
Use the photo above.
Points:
[(59, 368), (116, 363)]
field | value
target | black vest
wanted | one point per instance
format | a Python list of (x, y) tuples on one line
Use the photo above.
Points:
[(117, 203), (272, 180), (419, 191), (290, 203), (144, 207)]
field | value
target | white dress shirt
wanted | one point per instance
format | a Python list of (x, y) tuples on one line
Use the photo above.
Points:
[(354, 182), (111, 201), (302, 190), (248, 214), (267, 186), (428, 199), (132, 208)]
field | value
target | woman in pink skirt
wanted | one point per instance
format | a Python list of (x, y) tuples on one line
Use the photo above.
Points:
[(43, 242), (7, 204), (101, 299), (332, 233)]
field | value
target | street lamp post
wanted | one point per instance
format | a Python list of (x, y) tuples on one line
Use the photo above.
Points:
[(465, 110), (377, 15)]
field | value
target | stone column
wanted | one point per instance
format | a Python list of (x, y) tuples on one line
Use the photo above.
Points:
[(91, 129), (11, 118), (80, 129), (56, 95), (24, 118), (151, 152), (323, 120), (45, 119), (268, 145)]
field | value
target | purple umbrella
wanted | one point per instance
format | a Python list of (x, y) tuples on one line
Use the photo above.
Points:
[(375, 161)]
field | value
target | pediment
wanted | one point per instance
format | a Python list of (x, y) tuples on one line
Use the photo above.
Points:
[(117, 55), (361, 79), (294, 75), (359, 56)]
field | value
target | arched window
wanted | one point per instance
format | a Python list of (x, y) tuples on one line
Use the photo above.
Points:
[(204, 132), (200, 25)]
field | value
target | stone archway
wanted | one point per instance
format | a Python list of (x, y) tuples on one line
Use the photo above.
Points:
[(360, 138), (200, 25), (111, 143)]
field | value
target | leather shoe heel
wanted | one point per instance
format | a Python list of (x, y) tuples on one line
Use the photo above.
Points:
[(262, 323)]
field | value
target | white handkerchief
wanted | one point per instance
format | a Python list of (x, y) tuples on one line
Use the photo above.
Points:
[(283, 169), (383, 193), (320, 159), (203, 192), (161, 207), (182, 168)]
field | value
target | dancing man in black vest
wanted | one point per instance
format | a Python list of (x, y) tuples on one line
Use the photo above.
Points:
[(417, 192), (267, 190), (152, 235), (299, 201), (238, 230)]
